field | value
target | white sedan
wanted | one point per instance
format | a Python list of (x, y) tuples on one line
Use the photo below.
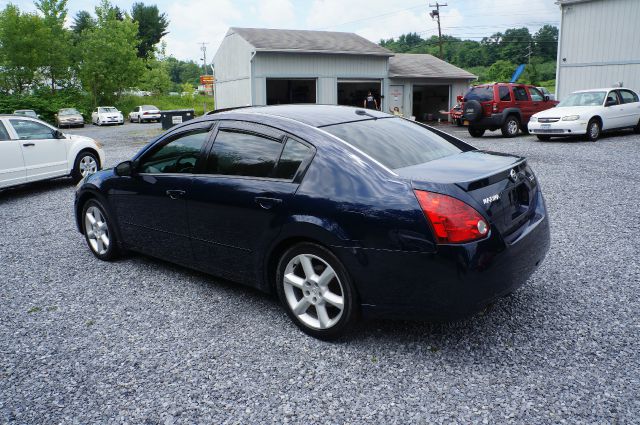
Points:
[(589, 113), (31, 150), (106, 115), (144, 113)]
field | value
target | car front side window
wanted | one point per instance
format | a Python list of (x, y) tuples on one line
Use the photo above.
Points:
[(612, 98), (520, 93), (4, 134), (31, 130), (179, 156)]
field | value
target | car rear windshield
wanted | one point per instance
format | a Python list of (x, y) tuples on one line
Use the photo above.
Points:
[(394, 142), (148, 108), (481, 94)]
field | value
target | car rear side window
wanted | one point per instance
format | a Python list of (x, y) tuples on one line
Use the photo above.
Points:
[(178, 156), (31, 130), (394, 142), (520, 93), (504, 93), (4, 135), (628, 96), (239, 153), (293, 155), (481, 94)]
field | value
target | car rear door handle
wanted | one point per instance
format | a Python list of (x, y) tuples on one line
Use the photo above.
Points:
[(266, 202), (175, 194), (28, 144)]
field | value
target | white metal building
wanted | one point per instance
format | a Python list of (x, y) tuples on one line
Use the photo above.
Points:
[(599, 45), (266, 67)]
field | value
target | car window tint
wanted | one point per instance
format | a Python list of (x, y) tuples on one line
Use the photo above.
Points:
[(237, 153), (293, 155), (520, 93), (536, 96), (505, 93), (31, 130), (4, 134), (613, 96), (178, 156), (394, 142), (628, 96), (481, 94)]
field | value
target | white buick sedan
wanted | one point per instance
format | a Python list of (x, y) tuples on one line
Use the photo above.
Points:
[(31, 150), (106, 115), (589, 113)]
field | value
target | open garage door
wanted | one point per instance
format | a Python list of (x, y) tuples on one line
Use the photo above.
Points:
[(428, 101), (282, 91), (354, 92)]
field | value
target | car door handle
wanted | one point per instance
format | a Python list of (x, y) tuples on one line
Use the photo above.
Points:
[(175, 194), (267, 203), (26, 145)]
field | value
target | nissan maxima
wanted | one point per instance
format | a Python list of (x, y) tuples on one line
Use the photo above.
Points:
[(341, 212)]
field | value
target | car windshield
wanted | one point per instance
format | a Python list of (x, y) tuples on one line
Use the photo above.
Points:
[(590, 98), (107, 110), (69, 111), (27, 112), (394, 142), (481, 94), (148, 108)]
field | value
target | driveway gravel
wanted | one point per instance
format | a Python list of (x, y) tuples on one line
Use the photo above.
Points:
[(144, 341)]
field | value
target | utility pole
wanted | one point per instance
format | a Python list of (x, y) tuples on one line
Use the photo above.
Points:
[(436, 13), (529, 53), (203, 47)]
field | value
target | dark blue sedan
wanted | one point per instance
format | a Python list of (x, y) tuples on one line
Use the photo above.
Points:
[(340, 211)]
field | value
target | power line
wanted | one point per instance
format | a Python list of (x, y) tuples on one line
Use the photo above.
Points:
[(433, 14)]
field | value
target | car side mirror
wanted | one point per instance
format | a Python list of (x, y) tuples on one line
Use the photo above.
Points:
[(125, 169), (546, 98), (58, 134)]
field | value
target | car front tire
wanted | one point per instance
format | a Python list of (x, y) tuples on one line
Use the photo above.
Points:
[(98, 231), (593, 130), (510, 127), (316, 291), (86, 163), (476, 132), (636, 129)]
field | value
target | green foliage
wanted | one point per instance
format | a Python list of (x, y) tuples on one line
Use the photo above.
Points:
[(156, 78), (47, 104), (152, 26), (182, 72), (56, 56), (501, 71), (127, 103), (82, 21), (108, 55)]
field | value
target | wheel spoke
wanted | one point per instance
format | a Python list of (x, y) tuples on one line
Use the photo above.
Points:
[(323, 316), (105, 240), (294, 280), (326, 277), (333, 299), (301, 307), (91, 234), (91, 218), (307, 266), (100, 245)]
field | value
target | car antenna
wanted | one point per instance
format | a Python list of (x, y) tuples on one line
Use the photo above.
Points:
[(363, 112)]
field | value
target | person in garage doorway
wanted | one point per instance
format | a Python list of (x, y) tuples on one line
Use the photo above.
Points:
[(370, 102)]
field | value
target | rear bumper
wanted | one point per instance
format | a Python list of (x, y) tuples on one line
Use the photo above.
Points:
[(150, 117), (492, 121), (454, 282), (560, 128)]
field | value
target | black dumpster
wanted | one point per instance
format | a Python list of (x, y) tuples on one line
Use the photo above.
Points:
[(177, 116)]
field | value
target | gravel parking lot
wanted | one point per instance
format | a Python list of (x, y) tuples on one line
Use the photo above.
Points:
[(143, 341)]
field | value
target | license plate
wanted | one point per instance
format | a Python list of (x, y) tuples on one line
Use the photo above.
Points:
[(465, 122), (545, 126)]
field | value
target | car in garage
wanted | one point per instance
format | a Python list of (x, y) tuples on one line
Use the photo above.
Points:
[(104, 115), (588, 113), (69, 117), (504, 106), (32, 150), (145, 113), (339, 211)]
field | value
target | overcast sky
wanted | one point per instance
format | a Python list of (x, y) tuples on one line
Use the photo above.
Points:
[(196, 21)]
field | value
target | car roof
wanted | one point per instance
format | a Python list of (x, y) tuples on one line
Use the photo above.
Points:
[(313, 115), (601, 89)]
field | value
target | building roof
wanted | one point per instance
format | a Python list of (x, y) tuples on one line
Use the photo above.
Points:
[(298, 41), (407, 65)]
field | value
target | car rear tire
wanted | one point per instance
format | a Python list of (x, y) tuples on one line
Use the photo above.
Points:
[(86, 163), (476, 132), (511, 126), (98, 231), (472, 110), (636, 129), (316, 291), (544, 138), (593, 130)]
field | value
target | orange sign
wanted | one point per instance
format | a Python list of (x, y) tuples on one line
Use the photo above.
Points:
[(206, 79)]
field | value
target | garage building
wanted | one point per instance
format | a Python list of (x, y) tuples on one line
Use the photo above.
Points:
[(599, 45), (268, 67)]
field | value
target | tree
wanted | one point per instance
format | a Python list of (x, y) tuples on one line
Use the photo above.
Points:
[(501, 71), (57, 55), (109, 63), (152, 26), (23, 41), (546, 43), (82, 21), (515, 44)]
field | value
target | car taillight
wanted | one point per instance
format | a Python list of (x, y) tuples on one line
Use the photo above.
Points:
[(145, 113), (452, 220)]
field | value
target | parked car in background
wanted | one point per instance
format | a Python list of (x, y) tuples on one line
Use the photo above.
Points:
[(32, 150), (106, 115), (589, 113), (545, 91), (69, 117), (337, 210), (504, 106), (145, 113), (27, 113)]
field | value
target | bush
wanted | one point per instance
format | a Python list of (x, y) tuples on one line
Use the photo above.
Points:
[(47, 104), (127, 103)]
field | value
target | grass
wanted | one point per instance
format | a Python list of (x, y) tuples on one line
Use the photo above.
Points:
[(165, 103)]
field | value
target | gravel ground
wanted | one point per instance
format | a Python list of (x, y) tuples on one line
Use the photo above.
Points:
[(143, 341)]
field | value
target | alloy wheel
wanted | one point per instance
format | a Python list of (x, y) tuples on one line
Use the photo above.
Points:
[(87, 165), (97, 231), (512, 126), (313, 291)]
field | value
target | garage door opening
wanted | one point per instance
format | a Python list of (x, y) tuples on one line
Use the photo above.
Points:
[(353, 93), (281, 91), (428, 101)]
